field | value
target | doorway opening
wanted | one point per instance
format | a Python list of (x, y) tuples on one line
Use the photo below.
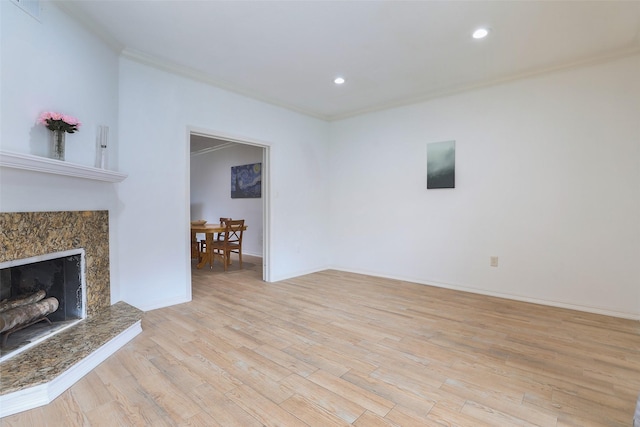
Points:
[(212, 193)]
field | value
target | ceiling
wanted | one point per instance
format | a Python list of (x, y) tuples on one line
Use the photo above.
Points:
[(390, 52)]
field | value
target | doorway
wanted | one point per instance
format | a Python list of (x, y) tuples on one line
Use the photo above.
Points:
[(212, 157)]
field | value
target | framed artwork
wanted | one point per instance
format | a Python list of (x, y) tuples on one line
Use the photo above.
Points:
[(246, 181), (441, 164)]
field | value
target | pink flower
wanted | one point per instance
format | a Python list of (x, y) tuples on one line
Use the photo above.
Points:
[(44, 117), (71, 120), (59, 121)]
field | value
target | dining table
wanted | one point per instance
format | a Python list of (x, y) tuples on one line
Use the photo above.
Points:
[(209, 230)]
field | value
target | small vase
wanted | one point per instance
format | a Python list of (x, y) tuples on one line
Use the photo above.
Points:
[(103, 158), (57, 144), (102, 155)]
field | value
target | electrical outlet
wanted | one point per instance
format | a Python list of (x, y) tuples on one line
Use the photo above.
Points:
[(493, 261)]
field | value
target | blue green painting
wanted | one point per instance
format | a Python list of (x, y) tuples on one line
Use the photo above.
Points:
[(246, 181)]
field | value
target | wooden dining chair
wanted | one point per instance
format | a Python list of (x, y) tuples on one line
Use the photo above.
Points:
[(231, 242), (223, 221), (196, 247), (217, 238)]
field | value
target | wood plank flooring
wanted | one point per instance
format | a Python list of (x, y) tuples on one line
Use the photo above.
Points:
[(340, 349)]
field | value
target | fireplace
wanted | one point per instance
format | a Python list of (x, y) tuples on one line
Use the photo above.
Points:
[(46, 249), (26, 285), (36, 376)]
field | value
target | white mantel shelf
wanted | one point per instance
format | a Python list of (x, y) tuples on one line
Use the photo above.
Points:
[(57, 167)]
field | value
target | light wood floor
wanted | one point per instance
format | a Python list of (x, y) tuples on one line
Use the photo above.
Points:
[(338, 349)]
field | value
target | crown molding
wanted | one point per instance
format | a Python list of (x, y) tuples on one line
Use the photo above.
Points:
[(202, 77), (632, 48), (173, 68), (454, 90)]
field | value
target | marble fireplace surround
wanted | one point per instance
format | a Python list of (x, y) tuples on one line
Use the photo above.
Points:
[(30, 379), (29, 234)]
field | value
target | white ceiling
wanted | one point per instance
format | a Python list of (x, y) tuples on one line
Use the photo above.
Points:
[(391, 52)]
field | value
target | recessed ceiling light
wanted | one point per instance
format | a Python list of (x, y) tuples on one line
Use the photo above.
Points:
[(480, 33), (339, 80)]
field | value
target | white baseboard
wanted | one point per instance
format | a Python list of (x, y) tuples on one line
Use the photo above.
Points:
[(44, 394), (297, 274), (161, 304), (259, 255), (559, 304)]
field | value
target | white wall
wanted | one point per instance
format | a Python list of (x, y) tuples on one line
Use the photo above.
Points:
[(211, 192), (547, 174), (55, 64), (547, 179), (156, 111)]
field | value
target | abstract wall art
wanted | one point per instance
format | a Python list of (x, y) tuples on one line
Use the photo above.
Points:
[(441, 164)]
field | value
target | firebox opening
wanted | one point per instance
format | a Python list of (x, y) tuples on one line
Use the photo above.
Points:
[(61, 276)]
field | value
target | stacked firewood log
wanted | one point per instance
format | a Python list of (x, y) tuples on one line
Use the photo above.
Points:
[(24, 310)]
